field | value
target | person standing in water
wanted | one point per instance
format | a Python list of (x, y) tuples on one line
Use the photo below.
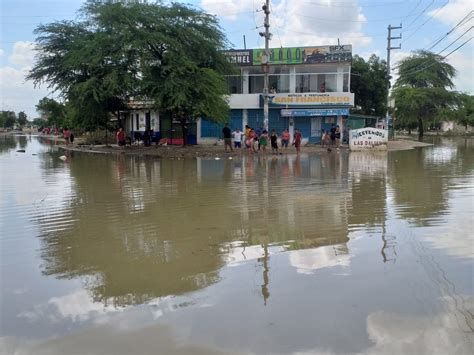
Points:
[(297, 140), (263, 140), (120, 137), (227, 137), (274, 142), (66, 135), (285, 139)]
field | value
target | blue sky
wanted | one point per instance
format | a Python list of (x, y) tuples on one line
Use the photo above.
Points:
[(362, 23)]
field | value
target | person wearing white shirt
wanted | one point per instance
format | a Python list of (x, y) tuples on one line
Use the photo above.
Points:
[(237, 135)]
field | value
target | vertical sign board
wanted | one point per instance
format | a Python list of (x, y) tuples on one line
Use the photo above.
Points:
[(368, 139)]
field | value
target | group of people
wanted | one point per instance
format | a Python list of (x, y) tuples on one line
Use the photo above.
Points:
[(257, 140), (66, 133), (331, 138)]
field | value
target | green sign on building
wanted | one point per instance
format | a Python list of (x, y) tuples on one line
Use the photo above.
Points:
[(305, 55)]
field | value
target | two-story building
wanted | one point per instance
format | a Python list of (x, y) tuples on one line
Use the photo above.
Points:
[(309, 91)]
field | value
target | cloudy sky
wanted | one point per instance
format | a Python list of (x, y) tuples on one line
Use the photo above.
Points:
[(362, 23)]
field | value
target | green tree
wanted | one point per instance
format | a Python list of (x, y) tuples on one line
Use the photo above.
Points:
[(421, 90), (39, 122), (464, 114), (52, 111), (369, 83), (7, 119), (22, 118), (120, 52)]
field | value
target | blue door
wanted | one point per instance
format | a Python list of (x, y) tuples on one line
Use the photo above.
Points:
[(304, 125)]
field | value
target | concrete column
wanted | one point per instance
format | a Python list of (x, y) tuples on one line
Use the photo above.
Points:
[(340, 79), (292, 79), (245, 119), (341, 127), (156, 116), (245, 81), (291, 129), (198, 130)]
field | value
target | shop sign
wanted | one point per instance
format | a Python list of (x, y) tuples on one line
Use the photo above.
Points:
[(240, 57), (368, 139), (311, 99), (305, 55), (315, 112)]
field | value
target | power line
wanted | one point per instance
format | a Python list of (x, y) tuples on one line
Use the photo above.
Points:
[(459, 47), (419, 14), (443, 57), (415, 31), (460, 23), (457, 39)]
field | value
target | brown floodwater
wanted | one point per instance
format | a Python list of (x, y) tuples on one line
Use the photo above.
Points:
[(331, 253)]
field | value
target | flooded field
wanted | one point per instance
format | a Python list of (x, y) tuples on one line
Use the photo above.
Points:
[(332, 253)]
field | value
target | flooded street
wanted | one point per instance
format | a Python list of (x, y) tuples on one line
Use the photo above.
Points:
[(325, 253)]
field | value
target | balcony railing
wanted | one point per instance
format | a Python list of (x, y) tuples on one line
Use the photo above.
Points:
[(281, 83)]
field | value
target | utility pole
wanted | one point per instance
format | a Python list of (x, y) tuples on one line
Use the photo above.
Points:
[(388, 124), (266, 61)]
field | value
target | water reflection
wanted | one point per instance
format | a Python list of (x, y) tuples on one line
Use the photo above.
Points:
[(132, 222), (336, 235)]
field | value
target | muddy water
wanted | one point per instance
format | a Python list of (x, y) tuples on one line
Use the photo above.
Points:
[(331, 253)]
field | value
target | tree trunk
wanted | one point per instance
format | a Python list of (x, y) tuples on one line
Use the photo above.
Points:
[(420, 128), (409, 131)]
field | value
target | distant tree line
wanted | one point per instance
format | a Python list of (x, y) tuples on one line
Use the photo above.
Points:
[(9, 119)]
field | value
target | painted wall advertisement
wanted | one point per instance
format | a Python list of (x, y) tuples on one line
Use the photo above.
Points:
[(306, 55), (310, 99), (368, 139), (292, 55)]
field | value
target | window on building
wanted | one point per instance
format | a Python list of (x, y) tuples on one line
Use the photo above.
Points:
[(345, 83), (278, 79), (234, 84)]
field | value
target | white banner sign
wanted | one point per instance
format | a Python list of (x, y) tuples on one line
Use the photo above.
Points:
[(368, 139)]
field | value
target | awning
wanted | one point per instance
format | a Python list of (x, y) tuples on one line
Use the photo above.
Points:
[(315, 112)]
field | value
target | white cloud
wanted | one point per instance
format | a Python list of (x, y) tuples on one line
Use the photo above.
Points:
[(463, 62), (453, 12), (301, 23), (16, 93), (309, 260), (443, 333), (229, 9), (23, 54)]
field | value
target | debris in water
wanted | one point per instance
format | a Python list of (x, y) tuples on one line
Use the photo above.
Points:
[(21, 151), (217, 158), (63, 157)]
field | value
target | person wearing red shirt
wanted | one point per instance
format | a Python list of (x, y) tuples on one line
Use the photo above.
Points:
[(297, 140), (121, 137)]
